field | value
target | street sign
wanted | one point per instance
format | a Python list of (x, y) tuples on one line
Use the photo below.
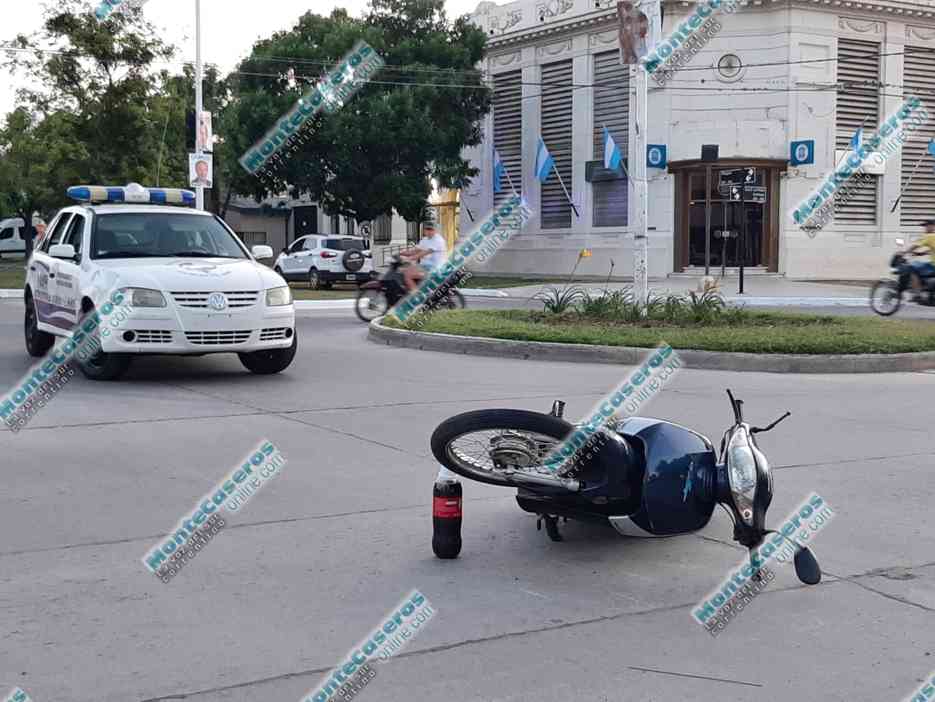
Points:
[(656, 155), (802, 153), (752, 193)]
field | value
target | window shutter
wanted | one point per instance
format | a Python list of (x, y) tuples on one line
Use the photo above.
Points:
[(556, 117), (611, 109), (508, 130), (857, 104), (917, 201)]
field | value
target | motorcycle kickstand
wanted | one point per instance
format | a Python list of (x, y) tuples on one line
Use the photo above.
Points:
[(551, 526)]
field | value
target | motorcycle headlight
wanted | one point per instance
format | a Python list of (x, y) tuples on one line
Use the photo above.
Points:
[(145, 297), (741, 471), (276, 297)]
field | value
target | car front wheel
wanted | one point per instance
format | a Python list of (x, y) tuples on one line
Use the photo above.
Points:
[(270, 361)]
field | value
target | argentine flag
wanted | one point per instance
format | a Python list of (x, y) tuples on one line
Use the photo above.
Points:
[(612, 155), (857, 138), (544, 162), (498, 170)]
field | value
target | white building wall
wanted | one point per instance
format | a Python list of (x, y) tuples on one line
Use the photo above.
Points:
[(754, 124)]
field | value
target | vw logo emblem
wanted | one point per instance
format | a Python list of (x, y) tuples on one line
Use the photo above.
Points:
[(217, 301)]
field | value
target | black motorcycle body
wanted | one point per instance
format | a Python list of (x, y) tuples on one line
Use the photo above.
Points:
[(887, 294), (377, 297), (645, 477)]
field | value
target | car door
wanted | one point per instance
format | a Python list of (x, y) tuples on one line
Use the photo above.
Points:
[(7, 239), (65, 284), (312, 254), (290, 262), (41, 276)]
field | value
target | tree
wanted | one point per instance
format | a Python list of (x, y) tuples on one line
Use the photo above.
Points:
[(40, 159), (403, 129), (101, 74)]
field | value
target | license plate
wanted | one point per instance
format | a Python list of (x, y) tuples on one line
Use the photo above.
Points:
[(351, 276)]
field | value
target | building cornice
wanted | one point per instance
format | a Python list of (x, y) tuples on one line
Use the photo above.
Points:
[(606, 16)]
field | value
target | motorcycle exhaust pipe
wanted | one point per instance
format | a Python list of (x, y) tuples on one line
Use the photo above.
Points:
[(544, 480)]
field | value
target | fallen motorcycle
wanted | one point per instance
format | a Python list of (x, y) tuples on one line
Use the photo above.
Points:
[(645, 477)]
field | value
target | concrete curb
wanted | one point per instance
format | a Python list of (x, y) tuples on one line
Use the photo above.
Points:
[(626, 355)]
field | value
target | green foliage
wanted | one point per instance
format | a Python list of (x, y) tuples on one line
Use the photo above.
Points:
[(94, 111), (382, 149), (760, 332), (558, 300)]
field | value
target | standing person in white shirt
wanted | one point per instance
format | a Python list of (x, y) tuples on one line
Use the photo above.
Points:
[(429, 252)]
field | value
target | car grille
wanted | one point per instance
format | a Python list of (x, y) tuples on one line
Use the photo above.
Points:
[(199, 300), (217, 337), (274, 334), (152, 336)]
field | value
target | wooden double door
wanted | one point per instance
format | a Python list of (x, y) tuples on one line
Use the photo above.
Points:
[(710, 222)]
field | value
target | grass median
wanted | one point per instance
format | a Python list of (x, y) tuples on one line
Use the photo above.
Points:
[(747, 332)]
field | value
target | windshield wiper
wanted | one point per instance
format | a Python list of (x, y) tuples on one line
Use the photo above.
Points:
[(195, 254), (126, 254)]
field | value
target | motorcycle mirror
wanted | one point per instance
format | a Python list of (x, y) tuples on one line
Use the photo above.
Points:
[(737, 406), (806, 567)]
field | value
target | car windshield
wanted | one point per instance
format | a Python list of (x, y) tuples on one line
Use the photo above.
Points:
[(344, 244), (156, 234)]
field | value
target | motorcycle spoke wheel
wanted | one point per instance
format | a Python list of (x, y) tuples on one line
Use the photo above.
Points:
[(491, 446), (885, 298)]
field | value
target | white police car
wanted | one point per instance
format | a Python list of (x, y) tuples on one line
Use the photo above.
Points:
[(193, 286)]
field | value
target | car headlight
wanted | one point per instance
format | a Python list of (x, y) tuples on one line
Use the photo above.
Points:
[(741, 471), (276, 297), (145, 297)]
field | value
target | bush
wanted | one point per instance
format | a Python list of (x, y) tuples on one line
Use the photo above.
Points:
[(621, 306)]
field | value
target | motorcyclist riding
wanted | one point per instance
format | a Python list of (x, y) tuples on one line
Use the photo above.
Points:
[(923, 268), (429, 252)]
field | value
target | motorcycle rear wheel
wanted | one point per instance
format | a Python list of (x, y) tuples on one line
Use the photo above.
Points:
[(885, 297), (483, 444)]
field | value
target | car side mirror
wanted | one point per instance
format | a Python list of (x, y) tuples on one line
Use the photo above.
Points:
[(261, 251), (66, 251)]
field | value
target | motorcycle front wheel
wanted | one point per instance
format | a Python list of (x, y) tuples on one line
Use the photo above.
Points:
[(486, 445), (370, 304), (885, 297)]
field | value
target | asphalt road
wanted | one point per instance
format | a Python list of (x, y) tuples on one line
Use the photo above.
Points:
[(317, 559)]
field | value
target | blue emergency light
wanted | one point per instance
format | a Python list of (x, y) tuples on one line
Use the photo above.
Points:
[(132, 193)]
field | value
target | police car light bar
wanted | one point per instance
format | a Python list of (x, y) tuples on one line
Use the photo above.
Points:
[(134, 192)]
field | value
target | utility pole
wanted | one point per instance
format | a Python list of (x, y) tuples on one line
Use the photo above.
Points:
[(199, 100), (641, 235)]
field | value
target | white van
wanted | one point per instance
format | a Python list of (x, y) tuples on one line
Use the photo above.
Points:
[(11, 237)]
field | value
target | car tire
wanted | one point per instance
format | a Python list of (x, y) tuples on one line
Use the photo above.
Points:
[(104, 366), (38, 342), (270, 361), (314, 279)]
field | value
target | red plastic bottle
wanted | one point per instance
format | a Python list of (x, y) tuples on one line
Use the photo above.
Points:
[(446, 515)]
